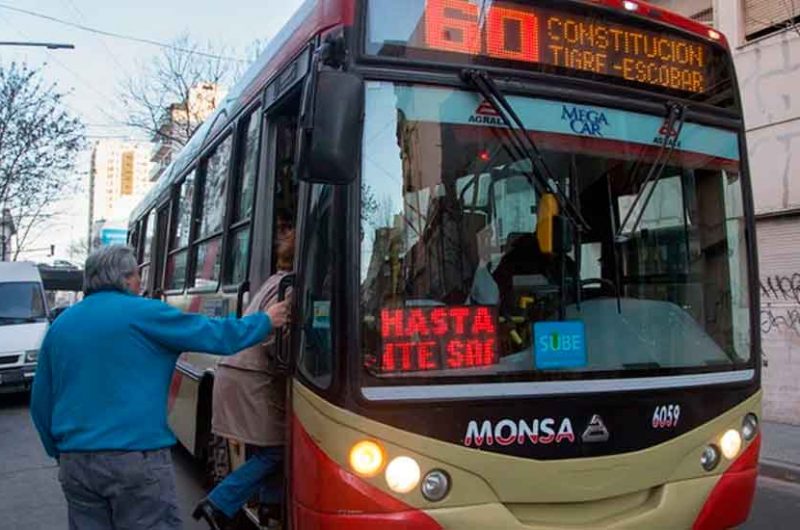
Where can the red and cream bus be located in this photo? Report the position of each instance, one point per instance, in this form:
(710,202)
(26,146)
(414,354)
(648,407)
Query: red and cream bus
(525,292)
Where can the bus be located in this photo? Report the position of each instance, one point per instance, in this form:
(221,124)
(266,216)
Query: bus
(525,287)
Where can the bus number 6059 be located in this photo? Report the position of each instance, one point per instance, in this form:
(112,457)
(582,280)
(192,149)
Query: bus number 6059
(666,416)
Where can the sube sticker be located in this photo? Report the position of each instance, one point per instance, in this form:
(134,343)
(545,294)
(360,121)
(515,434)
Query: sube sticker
(559,344)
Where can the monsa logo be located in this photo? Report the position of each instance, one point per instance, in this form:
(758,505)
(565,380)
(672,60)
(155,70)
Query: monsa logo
(584,121)
(507,432)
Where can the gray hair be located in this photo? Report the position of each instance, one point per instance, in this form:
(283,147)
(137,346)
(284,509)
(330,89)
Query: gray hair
(108,267)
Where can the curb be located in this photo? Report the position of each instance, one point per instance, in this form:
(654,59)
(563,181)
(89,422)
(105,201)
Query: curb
(779,470)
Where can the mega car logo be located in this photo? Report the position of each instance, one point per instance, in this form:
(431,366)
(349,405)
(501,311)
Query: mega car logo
(520,432)
(584,121)
(486,114)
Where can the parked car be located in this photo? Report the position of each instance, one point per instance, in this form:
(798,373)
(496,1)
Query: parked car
(23,323)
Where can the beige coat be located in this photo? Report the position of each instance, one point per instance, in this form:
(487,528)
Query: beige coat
(249,396)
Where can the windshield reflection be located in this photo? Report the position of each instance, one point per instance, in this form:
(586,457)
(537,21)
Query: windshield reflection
(450,220)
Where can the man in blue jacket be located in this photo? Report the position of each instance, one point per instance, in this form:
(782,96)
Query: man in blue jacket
(99,399)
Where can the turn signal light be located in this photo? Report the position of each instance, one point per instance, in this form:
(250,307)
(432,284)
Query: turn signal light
(366,458)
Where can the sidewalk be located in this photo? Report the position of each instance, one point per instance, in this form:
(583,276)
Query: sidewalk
(780,451)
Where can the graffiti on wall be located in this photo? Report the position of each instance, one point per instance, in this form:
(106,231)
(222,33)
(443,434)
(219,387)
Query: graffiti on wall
(780,320)
(781,288)
(780,304)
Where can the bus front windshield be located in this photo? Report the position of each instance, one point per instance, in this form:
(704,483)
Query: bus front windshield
(455,282)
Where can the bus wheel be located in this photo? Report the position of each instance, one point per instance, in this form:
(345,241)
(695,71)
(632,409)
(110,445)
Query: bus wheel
(218,465)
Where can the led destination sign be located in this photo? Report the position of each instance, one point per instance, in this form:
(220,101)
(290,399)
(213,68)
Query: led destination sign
(437,338)
(529,34)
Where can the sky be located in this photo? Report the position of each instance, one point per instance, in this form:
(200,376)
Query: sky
(94,71)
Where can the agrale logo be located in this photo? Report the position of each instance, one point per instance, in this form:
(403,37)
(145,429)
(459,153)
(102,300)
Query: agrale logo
(667,135)
(596,430)
(584,121)
(486,114)
(520,432)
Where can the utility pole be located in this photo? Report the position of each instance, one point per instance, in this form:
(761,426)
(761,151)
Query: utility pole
(7,230)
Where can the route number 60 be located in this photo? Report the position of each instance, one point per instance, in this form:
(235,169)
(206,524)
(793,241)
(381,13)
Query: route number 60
(666,416)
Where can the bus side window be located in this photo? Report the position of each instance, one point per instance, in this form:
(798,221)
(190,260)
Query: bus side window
(149,234)
(175,276)
(207,251)
(133,241)
(244,185)
(315,360)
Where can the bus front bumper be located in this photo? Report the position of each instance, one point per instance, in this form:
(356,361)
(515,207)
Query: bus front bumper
(707,503)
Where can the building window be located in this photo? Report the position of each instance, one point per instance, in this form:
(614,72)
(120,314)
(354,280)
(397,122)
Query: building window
(126,176)
(764,17)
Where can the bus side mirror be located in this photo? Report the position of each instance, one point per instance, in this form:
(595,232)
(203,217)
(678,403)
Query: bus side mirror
(332,134)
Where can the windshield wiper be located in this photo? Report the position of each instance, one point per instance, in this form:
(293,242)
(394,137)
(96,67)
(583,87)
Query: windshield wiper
(676,115)
(523,145)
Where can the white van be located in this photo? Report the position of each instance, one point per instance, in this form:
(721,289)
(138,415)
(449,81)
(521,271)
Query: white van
(23,323)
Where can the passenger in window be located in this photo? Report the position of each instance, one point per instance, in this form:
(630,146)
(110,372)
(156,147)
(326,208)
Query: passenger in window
(101,387)
(249,406)
(484,288)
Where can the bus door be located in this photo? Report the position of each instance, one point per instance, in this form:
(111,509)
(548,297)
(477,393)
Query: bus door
(274,216)
(277,198)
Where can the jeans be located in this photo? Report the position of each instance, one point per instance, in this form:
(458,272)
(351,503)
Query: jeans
(120,490)
(260,473)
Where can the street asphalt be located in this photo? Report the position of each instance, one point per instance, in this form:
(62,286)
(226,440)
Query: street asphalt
(31,499)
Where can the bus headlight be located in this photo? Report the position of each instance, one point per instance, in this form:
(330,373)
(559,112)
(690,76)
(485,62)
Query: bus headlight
(750,426)
(435,485)
(366,458)
(402,474)
(731,443)
(710,457)
(31,356)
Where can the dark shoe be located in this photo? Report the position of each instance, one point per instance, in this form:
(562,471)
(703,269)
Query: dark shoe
(210,514)
(269,515)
